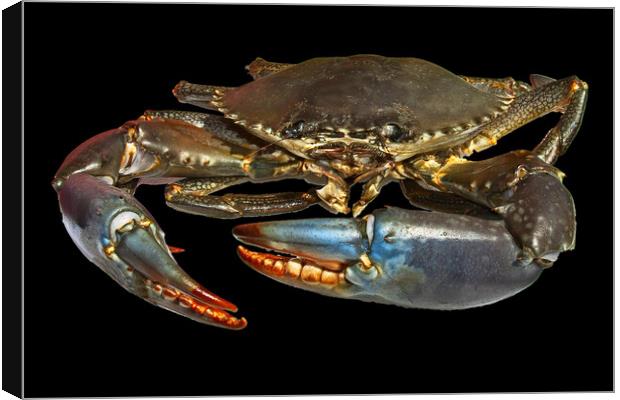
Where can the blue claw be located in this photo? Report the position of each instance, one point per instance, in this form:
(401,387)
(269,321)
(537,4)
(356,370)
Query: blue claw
(327,241)
(116,233)
(409,258)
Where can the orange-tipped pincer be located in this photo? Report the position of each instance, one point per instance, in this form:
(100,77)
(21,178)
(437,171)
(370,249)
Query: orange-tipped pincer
(213,299)
(269,264)
(175,250)
(184,304)
(292,270)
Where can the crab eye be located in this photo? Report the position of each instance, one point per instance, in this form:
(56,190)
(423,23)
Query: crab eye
(394,132)
(294,131)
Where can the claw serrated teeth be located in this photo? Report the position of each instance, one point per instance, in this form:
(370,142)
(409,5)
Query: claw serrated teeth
(278,266)
(311,274)
(187,302)
(170,294)
(293,267)
(329,278)
(157,288)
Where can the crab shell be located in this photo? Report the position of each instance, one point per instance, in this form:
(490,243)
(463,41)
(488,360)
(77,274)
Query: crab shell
(399,106)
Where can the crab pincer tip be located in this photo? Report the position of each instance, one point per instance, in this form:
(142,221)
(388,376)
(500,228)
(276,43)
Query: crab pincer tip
(213,299)
(175,250)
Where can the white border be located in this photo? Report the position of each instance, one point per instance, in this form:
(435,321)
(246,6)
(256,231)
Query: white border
(494,3)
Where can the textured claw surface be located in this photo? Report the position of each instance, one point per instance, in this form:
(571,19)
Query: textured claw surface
(409,258)
(116,233)
(332,242)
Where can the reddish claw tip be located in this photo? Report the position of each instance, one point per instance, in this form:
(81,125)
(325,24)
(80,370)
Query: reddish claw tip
(186,305)
(213,299)
(220,317)
(237,323)
(175,250)
(177,87)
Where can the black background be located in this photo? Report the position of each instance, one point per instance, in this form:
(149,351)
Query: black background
(89,68)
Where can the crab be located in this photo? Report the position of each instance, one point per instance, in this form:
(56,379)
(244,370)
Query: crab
(484,230)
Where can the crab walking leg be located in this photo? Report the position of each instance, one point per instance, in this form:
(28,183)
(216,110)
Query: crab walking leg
(521,188)
(222,128)
(198,95)
(432,200)
(566,96)
(116,233)
(435,200)
(261,163)
(193,196)
(559,138)
(415,259)
(507,88)
(261,67)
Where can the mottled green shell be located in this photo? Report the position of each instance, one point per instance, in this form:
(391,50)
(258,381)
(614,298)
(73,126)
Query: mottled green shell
(360,93)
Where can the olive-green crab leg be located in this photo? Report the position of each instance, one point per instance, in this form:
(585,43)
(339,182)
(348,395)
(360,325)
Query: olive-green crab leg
(261,163)
(506,88)
(261,67)
(523,103)
(193,196)
(198,95)
(334,194)
(567,96)
(434,200)
(205,95)
(223,129)
(559,138)
(427,198)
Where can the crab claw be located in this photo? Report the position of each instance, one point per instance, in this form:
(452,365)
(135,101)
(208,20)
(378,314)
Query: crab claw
(115,232)
(409,258)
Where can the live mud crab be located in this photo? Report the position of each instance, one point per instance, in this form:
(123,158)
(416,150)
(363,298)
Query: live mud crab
(488,230)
